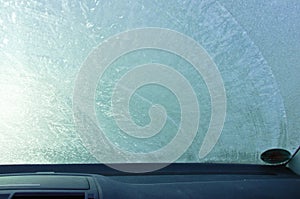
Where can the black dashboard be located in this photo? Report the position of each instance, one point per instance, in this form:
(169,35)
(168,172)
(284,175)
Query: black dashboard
(97,181)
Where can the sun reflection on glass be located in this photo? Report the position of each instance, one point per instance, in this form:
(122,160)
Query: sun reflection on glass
(11,103)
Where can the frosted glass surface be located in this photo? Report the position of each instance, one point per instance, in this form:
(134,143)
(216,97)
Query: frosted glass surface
(44,44)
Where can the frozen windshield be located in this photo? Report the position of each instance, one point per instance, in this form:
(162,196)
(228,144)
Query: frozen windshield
(148,81)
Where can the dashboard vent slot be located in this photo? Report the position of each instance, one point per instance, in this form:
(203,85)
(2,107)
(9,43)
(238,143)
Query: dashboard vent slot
(4,196)
(48,195)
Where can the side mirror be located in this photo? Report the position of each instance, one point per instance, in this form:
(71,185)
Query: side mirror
(276,156)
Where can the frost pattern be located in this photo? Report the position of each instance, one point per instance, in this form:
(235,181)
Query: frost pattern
(44,43)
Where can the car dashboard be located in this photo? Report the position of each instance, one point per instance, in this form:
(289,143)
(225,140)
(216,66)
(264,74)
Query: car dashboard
(175,181)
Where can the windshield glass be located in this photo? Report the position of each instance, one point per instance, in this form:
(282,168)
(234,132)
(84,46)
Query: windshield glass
(148,81)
